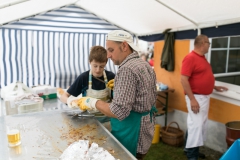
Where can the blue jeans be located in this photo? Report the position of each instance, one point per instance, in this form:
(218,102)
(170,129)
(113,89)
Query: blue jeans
(192,153)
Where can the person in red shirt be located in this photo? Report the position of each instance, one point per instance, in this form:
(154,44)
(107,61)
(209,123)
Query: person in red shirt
(151,60)
(198,83)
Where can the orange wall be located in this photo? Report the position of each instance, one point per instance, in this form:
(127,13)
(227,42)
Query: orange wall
(172,79)
(223,112)
(219,111)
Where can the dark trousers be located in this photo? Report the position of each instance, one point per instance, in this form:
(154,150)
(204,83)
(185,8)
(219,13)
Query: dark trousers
(140,156)
(192,153)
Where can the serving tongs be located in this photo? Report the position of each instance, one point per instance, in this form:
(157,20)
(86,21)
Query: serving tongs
(97,114)
(86,114)
(74,114)
(82,114)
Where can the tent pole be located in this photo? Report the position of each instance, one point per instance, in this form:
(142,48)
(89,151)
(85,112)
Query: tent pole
(199,31)
(177,13)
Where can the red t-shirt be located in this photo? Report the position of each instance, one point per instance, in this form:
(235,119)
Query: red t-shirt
(200,74)
(151,62)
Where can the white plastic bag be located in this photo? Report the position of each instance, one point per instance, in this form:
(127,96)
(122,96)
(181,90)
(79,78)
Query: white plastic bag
(80,151)
(14,90)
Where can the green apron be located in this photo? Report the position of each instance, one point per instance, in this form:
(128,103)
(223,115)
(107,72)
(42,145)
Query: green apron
(127,131)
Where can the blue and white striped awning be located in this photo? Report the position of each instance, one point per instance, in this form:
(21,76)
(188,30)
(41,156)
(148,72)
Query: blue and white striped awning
(51,48)
(68,19)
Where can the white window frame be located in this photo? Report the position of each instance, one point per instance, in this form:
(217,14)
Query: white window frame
(233,94)
(208,56)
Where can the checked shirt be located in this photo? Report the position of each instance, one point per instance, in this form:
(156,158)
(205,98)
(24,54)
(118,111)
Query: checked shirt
(135,89)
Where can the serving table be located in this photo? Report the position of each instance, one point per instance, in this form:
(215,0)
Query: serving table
(46,134)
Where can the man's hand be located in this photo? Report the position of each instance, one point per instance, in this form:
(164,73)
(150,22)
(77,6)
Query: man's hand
(88,103)
(220,88)
(194,106)
(110,84)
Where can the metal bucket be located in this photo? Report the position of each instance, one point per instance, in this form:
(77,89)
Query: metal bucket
(233,132)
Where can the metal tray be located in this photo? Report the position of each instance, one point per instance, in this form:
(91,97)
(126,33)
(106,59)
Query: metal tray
(45,135)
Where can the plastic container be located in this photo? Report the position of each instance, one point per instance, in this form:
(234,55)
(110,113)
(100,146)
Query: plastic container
(233,153)
(156,134)
(10,106)
(22,106)
(163,87)
(29,106)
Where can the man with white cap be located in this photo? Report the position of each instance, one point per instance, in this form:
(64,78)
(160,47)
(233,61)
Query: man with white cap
(134,96)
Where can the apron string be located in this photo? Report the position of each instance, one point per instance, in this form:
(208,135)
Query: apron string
(152,111)
(90,79)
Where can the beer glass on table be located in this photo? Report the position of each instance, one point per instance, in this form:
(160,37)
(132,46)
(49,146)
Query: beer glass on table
(13,135)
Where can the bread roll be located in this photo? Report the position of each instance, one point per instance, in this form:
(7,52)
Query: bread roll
(60,91)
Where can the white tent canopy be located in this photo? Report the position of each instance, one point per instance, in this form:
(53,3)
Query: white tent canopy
(140,17)
(36,34)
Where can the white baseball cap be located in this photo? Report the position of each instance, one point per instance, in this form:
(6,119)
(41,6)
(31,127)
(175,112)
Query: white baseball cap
(120,36)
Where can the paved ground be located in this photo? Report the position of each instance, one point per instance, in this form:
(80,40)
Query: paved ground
(211,154)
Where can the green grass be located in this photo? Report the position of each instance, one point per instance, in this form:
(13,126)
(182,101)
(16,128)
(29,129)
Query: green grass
(161,151)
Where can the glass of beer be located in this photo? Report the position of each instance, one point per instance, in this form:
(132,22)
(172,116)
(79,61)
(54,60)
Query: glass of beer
(13,137)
